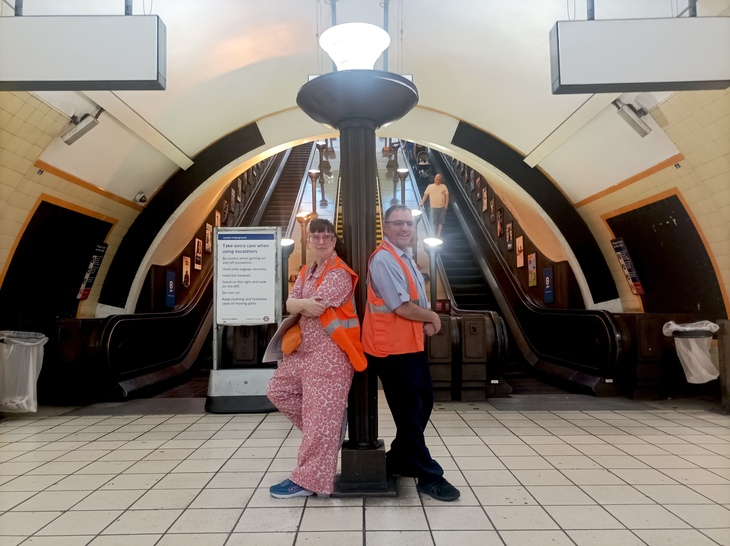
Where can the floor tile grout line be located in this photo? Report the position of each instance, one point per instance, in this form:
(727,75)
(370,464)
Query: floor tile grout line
(574,484)
(444,442)
(248,502)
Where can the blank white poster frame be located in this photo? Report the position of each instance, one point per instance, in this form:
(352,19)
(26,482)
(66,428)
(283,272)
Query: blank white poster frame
(246,292)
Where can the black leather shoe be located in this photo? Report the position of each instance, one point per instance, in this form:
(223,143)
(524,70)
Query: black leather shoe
(440,490)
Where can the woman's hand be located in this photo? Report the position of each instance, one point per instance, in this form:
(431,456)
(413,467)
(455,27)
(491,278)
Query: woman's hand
(312,307)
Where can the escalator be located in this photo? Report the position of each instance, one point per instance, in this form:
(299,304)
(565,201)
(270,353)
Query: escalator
(282,196)
(467,283)
(132,352)
(581,347)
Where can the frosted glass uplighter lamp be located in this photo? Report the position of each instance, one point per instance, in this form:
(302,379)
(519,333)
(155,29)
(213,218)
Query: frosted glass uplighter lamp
(354,46)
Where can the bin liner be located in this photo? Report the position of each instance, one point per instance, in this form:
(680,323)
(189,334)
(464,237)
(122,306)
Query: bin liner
(21,357)
(693,343)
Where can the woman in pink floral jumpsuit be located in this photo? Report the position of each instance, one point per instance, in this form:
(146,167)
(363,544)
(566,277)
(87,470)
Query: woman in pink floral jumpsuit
(311,385)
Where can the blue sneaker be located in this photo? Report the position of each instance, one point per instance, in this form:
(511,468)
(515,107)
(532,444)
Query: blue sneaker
(288,490)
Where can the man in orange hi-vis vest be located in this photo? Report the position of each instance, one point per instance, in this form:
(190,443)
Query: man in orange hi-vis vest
(396,319)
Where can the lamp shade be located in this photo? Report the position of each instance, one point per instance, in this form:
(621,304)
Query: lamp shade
(354,46)
(433,243)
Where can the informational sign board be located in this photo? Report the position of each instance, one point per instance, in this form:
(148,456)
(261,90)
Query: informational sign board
(246,273)
(92,271)
(246,292)
(627,266)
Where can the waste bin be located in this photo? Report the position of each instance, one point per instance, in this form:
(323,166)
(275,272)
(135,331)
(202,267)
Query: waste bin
(693,342)
(21,357)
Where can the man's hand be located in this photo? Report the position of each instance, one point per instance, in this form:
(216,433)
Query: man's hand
(432,326)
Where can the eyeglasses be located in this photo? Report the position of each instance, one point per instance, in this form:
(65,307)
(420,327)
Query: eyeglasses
(321,238)
(401,223)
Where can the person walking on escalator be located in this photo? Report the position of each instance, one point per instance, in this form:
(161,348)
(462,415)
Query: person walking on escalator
(438,197)
(310,386)
(396,319)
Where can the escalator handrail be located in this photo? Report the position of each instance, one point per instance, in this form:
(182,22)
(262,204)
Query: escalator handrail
(300,195)
(270,189)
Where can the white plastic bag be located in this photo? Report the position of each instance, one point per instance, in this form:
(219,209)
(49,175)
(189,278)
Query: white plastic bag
(21,358)
(701,326)
(694,352)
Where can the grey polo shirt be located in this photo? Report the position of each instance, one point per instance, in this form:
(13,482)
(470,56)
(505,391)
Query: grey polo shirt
(388,281)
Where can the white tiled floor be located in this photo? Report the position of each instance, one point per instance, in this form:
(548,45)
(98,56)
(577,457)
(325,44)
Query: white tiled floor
(656,477)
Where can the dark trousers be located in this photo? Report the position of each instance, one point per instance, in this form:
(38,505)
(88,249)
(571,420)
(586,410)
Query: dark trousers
(408,389)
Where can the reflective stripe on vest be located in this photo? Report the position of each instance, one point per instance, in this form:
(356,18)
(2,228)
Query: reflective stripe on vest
(337,323)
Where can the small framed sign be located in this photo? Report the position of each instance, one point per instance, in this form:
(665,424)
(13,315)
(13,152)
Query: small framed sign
(198,254)
(520,242)
(548,285)
(532,269)
(186,272)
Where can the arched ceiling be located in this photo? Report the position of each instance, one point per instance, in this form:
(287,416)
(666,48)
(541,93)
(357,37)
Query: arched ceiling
(234,62)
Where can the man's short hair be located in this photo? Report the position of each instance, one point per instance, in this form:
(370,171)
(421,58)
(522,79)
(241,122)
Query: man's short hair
(395,208)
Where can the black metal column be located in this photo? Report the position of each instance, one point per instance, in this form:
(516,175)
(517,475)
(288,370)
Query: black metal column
(363,456)
(351,101)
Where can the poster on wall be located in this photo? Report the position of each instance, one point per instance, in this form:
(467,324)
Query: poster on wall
(225,211)
(246,278)
(217,218)
(520,251)
(186,272)
(627,266)
(92,271)
(170,288)
(548,294)
(491,208)
(485,204)
(508,235)
(208,238)
(239,194)
(198,254)
(479,187)
(532,269)
(500,223)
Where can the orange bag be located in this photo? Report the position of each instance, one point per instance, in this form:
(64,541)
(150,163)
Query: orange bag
(291,340)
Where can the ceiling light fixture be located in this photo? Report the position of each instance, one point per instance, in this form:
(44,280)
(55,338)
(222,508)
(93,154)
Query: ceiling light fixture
(354,46)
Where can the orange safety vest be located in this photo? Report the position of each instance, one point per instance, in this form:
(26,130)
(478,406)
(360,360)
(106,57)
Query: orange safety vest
(383,331)
(341,323)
